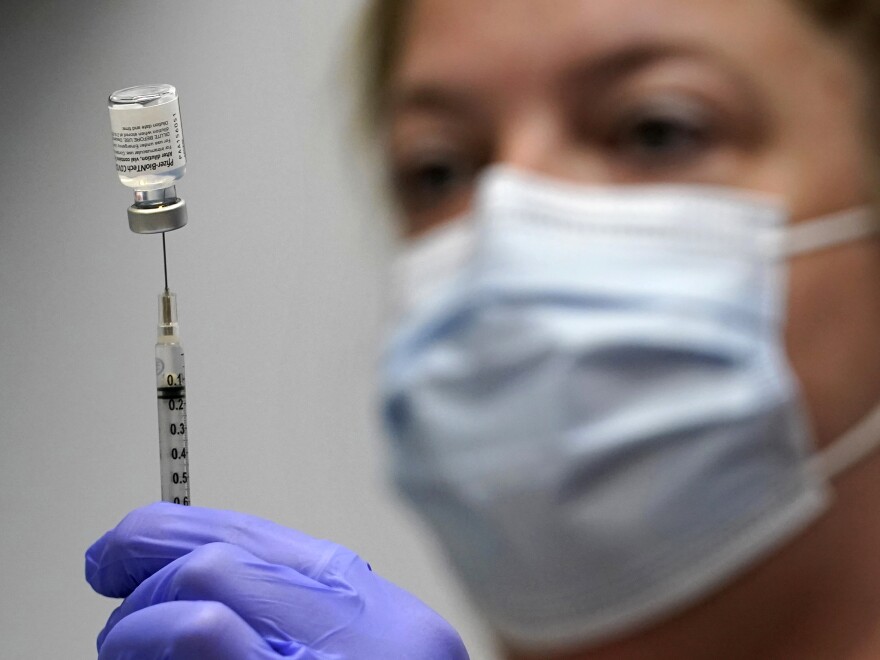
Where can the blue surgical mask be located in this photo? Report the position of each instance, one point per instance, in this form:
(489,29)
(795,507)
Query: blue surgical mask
(589,398)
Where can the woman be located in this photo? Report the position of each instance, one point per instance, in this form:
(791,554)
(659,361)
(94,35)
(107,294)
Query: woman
(636,354)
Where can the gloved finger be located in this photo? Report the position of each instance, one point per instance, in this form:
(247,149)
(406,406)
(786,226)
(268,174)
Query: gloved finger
(183,631)
(152,537)
(284,607)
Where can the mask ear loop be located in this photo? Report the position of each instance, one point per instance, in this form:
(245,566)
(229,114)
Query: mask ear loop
(851,448)
(859,442)
(831,231)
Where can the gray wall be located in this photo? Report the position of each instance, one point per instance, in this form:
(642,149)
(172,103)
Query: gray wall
(279,276)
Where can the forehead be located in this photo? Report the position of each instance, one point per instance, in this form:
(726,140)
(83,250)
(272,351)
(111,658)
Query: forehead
(508,41)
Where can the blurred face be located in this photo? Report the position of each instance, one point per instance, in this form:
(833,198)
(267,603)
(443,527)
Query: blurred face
(740,93)
(744,94)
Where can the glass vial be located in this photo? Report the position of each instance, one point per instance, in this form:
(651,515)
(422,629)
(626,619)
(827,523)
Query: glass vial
(147,138)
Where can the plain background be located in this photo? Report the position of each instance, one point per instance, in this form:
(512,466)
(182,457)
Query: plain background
(279,276)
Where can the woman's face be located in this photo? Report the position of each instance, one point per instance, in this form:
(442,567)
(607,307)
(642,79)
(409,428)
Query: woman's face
(746,94)
(742,93)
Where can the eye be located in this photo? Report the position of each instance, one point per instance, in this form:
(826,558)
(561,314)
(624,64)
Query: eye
(663,135)
(432,182)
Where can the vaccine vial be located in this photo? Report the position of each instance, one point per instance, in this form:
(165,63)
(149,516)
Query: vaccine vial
(147,136)
(150,154)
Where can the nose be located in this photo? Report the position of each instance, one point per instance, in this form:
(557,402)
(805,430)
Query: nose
(538,139)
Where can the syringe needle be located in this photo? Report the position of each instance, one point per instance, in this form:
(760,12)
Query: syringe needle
(164,261)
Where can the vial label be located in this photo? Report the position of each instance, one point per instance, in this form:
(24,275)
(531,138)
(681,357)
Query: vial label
(148,144)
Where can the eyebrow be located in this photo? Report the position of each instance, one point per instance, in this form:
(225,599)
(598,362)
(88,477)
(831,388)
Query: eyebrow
(431,97)
(628,60)
(617,64)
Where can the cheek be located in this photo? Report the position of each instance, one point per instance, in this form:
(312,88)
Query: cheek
(821,165)
(831,336)
(828,170)
(823,143)
(818,159)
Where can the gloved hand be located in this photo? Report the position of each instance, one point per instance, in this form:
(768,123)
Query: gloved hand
(205,584)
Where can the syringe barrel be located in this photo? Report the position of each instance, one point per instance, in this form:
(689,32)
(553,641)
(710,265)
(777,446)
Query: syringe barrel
(173,444)
(171,397)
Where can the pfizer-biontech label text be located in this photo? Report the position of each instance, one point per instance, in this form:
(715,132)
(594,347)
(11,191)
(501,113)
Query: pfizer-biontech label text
(148,142)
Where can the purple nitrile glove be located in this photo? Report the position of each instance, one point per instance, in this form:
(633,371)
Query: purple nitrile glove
(218,585)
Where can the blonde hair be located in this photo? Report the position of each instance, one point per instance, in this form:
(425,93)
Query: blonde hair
(378,48)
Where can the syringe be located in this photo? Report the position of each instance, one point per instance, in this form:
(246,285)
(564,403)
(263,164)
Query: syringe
(151,159)
(171,395)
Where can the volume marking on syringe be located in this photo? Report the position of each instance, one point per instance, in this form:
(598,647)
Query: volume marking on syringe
(171,392)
